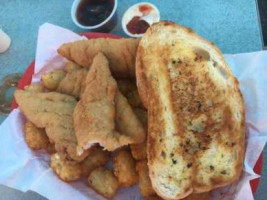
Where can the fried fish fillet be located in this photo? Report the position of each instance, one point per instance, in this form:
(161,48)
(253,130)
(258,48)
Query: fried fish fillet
(103,114)
(120,53)
(52,111)
(74,82)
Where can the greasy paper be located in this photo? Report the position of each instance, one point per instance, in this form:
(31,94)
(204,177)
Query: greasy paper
(24,169)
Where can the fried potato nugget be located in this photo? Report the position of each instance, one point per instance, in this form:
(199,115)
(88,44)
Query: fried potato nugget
(36,138)
(145,185)
(66,170)
(96,158)
(34,88)
(124,168)
(52,79)
(104,182)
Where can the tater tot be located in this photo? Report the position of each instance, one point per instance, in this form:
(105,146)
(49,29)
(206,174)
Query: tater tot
(66,170)
(52,79)
(71,66)
(96,158)
(104,182)
(124,168)
(34,88)
(36,138)
(144,180)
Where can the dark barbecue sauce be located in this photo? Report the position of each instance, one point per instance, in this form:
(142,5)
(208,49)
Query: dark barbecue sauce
(137,25)
(93,12)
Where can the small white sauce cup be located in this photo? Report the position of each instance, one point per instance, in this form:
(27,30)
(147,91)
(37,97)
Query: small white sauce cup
(133,11)
(5,41)
(105,26)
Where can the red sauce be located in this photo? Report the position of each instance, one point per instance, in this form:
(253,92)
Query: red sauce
(145,9)
(137,25)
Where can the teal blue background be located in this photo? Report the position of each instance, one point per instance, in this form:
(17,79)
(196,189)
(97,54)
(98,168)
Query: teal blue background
(232,24)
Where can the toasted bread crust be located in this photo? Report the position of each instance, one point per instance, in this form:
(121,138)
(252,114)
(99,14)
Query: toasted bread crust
(196,116)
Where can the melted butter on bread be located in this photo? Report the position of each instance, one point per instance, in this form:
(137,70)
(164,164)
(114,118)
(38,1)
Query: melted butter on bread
(196,129)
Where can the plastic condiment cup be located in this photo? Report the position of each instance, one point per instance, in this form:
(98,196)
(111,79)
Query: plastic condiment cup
(133,11)
(107,25)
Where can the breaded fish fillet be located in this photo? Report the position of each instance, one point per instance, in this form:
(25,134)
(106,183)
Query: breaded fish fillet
(103,114)
(73,83)
(120,53)
(52,111)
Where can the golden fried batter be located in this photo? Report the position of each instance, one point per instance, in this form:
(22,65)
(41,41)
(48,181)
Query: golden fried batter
(126,86)
(73,83)
(52,79)
(52,111)
(71,66)
(139,150)
(129,89)
(120,52)
(101,102)
(95,113)
(50,148)
(104,182)
(36,138)
(127,122)
(145,185)
(66,170)
(134,99)
(141,115)
(34,88)
(97,157)
(124,168)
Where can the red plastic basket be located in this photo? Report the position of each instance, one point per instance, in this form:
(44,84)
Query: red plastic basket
(27,77)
